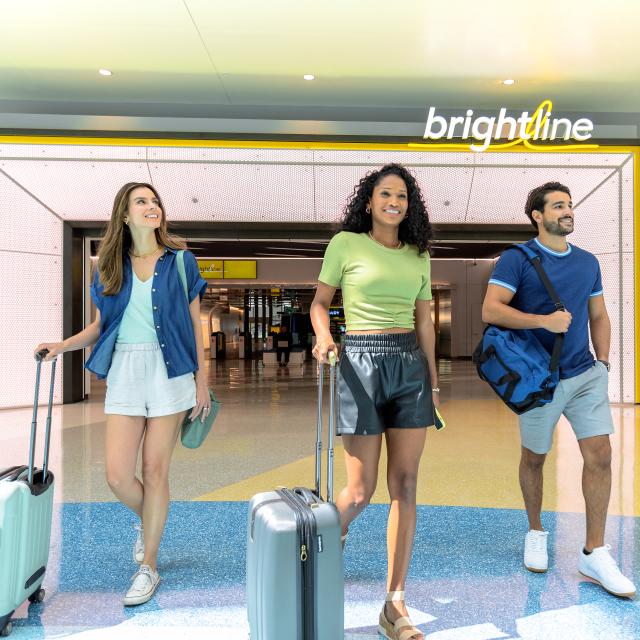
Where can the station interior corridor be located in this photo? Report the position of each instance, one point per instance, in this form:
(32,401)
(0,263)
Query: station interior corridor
(466,578)
(256,124)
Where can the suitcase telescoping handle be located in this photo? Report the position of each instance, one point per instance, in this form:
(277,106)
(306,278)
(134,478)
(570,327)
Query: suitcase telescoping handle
(34,422)
(332,383)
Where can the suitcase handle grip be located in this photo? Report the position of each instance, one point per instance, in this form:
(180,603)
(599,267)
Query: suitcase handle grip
(332,376)
(41,355)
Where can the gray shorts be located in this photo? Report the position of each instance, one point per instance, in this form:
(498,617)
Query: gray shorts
(584,401)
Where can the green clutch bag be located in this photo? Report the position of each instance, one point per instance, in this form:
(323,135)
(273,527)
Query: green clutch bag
(192,434)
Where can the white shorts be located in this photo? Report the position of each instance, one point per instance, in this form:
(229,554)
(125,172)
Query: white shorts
(138,385)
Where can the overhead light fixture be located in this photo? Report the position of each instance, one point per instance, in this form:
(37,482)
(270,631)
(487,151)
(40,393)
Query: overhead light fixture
(105,72)
(509,81)
(309,76)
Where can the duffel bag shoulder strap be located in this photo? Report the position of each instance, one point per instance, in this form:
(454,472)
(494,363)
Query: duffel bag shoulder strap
(534,258)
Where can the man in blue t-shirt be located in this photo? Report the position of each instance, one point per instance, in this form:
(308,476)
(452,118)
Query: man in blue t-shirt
(517,299)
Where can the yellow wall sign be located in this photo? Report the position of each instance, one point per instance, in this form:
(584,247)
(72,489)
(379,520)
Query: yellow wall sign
(240,269)
(228,269)
(526,129)
(211,269)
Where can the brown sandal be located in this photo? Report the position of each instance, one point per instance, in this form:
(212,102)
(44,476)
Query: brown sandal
(402,628)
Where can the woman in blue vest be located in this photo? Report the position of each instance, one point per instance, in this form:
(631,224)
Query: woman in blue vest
(148,346)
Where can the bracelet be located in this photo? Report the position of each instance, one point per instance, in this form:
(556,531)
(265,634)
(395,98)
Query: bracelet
(436,389)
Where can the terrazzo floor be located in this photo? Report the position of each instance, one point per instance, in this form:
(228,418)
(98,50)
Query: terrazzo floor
(466,579)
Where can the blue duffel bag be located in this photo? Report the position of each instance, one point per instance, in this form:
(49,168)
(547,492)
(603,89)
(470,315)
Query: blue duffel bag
(515,363)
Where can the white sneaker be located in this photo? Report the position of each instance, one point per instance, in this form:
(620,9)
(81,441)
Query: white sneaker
(138,545)
(145,582)
(536,558)
(601,567)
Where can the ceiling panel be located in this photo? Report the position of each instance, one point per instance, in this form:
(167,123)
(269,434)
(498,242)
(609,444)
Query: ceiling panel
(273,249)
(54,50)
(445,196)
(20,216)
(71,152)
(234,193)
(445,191)
(499,194)
(539,158)
(293,185)
(75,190)
(230,155)
(418,38)
(377,158)
(597,219)
(182,53)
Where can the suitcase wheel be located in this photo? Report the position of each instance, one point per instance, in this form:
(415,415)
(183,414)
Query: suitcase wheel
(37,596)
(6,630)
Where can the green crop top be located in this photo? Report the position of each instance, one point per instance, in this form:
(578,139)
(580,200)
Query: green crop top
(380,286)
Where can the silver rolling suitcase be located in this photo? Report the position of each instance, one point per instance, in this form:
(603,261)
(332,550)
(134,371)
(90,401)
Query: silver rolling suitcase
(295,578)
(26,506)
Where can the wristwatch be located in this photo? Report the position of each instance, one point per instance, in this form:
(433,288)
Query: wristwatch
(606,364)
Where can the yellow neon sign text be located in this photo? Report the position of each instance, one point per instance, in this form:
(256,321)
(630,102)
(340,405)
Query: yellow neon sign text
(539,126)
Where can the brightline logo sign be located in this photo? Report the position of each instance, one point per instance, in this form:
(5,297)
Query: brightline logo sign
(526,129)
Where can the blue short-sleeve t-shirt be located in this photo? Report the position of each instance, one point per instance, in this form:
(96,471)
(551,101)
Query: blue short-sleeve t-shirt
(575,275)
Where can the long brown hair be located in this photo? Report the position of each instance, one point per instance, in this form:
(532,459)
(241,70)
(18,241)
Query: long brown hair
(117,240)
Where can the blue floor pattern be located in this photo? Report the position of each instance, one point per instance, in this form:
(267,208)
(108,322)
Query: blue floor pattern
(466,578)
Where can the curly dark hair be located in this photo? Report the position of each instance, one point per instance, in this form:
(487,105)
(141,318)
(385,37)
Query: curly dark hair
(536,198)
(414,229)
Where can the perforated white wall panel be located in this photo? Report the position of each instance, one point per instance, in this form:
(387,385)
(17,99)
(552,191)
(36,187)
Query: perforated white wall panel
(230,156)
(30,293)
(76,190)
(499,194)
(230,192)
(296,185)
(290,184)
(71,152)
(600,229)
(334,185)
(26,225)
(535,159)
(628,282)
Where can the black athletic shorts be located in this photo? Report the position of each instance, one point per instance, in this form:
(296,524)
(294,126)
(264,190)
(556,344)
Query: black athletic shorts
(383,382)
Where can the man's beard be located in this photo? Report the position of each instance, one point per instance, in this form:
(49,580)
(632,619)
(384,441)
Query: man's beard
(555,228)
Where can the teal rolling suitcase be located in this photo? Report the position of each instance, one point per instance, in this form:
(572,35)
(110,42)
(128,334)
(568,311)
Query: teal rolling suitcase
(26,506)
(295,579)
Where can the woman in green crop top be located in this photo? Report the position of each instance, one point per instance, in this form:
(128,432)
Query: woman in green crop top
(387,377)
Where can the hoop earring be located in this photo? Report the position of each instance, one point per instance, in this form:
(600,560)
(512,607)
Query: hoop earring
(368,209)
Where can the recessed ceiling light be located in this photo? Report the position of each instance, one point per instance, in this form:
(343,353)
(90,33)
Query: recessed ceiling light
(105,72)
(508,81)
(309,76)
